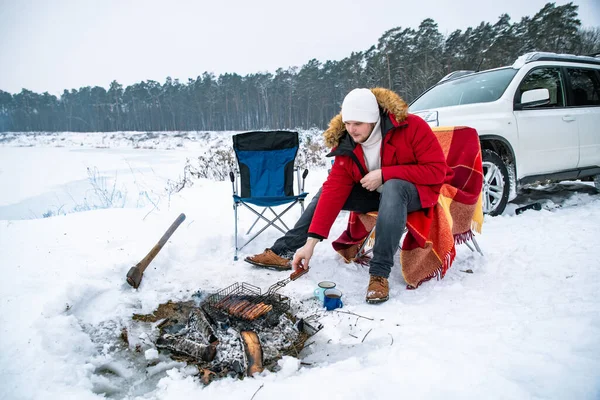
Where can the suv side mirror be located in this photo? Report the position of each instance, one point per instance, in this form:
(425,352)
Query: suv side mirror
(534,98)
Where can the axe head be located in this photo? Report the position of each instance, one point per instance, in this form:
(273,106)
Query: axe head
(134,277)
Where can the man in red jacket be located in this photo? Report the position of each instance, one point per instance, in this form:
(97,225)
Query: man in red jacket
(386,160)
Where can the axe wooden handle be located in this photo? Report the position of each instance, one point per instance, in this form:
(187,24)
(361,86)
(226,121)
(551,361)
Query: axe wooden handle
(134,276)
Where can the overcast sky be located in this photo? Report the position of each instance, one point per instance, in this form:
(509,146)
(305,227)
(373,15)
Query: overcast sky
(63,44)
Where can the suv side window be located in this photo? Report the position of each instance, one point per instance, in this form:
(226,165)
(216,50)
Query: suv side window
(585,87)
(544,78)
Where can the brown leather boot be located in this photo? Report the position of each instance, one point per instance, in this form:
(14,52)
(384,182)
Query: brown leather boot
(378,290)
(268,259)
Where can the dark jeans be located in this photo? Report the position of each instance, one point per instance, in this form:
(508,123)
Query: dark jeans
(397,199)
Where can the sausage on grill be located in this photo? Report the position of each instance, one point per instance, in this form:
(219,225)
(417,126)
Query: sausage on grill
(232,310)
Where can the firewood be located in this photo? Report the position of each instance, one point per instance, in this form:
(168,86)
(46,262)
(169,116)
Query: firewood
(199,323)
(254,353)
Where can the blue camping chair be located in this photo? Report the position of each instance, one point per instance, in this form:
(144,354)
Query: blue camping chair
(266,178)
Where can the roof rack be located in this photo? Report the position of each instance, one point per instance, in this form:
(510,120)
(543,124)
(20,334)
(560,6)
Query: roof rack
(456,74)
(544,56)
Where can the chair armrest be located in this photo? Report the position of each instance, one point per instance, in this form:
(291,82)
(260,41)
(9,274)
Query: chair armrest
(304,174)
(233,183)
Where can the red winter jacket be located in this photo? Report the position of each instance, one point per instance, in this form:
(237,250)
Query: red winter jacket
(410,151)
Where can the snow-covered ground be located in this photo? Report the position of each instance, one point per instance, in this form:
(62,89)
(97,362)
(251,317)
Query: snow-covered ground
(524,325)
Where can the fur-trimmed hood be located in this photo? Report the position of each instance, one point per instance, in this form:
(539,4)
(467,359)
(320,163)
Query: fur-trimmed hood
(388,101)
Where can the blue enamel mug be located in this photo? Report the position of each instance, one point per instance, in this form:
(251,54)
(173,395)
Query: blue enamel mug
(332,299)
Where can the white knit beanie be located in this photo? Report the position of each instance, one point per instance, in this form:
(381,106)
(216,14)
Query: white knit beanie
(360,105)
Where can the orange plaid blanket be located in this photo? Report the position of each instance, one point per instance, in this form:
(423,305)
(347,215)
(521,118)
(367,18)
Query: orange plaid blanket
(428,249)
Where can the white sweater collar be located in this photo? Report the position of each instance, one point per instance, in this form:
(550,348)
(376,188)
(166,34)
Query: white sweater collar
(374,138)
(372,148)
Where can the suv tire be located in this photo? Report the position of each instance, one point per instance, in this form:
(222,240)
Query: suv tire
(496,183)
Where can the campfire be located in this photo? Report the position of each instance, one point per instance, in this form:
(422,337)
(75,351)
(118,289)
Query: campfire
(235,332)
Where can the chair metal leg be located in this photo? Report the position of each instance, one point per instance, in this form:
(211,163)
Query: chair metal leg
(469,246)
(262,214)
(280,220)
(361,251)
(477,245)
(256,220)
(269,223)
(235,234)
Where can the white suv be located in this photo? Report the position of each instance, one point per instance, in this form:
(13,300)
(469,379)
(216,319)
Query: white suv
(538,120)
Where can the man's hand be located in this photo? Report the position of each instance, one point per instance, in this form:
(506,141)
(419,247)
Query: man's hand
(372,180)
(304,254)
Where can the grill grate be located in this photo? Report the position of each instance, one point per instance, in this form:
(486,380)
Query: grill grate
(250,296)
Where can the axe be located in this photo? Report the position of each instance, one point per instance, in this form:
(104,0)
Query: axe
(134,276)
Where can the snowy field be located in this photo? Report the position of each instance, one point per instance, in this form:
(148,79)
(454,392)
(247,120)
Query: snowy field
(525,324)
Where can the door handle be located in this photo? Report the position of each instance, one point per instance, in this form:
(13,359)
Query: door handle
(568,118)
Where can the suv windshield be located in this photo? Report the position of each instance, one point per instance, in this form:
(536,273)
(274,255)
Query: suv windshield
(482,87)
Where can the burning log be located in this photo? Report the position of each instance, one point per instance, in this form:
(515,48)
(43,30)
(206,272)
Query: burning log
(254,353)
(183,345)
(200,340)
(199,323)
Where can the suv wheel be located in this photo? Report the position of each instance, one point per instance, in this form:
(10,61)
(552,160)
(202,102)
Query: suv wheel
(597,182)
(496,183)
